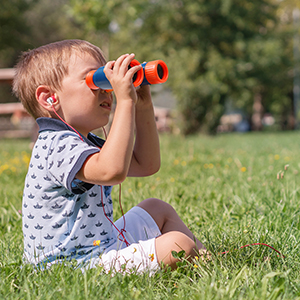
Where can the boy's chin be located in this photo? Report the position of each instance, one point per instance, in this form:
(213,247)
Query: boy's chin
(103,124)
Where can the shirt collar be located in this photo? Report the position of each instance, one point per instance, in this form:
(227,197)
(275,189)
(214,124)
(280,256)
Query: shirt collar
(57,125)
(51,124)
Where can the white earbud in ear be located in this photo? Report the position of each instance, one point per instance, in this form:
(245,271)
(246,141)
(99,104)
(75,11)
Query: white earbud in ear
(50,100)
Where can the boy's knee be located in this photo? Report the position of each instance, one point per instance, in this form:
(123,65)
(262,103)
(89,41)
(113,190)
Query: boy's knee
(157,204)
(174,241)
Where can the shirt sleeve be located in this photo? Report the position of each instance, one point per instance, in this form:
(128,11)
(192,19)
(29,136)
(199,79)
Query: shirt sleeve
(66,156)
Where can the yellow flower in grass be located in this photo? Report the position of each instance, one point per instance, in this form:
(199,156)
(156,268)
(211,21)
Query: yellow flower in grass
(96,242)
(25,158)
(276,156)
(151,256)
(4,168)
(243,169)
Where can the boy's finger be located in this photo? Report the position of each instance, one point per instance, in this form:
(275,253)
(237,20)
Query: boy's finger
(133,70)
(109,65)
(126,62)
(120,61)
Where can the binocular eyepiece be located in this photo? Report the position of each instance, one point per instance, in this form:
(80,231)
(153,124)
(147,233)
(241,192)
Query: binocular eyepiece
(152,72)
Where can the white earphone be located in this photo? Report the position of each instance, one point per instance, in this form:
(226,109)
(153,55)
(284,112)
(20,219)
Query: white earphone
(50,100)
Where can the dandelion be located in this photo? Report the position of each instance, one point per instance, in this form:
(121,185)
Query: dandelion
(183,163)
(151,256)
(176,162)
(25,158)
(96,242)
(276,156)
(4,168)
(172,179)
(243,169)
(129,190)
(210,166)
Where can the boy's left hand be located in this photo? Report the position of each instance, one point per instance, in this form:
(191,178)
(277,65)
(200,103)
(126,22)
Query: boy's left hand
(144,97)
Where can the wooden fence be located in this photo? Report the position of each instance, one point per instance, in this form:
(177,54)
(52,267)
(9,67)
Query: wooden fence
(15,122)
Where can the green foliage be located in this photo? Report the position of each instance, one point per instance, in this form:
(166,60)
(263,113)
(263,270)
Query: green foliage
(216,51)
(13,22)
(226,190)
(26,24)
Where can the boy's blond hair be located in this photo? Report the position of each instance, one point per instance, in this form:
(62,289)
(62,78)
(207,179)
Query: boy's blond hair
(47,65)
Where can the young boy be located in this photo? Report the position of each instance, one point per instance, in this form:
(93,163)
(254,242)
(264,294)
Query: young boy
(67,206)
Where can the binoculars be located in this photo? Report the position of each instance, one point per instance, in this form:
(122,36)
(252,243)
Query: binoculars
(152,72)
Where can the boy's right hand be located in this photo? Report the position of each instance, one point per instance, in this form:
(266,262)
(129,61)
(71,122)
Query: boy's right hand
(121,77)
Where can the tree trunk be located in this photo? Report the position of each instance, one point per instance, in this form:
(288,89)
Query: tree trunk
(257,114)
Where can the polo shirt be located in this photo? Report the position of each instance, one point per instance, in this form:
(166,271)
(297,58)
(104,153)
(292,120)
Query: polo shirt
(63,216)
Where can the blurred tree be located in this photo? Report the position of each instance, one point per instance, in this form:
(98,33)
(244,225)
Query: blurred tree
(216,50)
(26,24)
(14,28)
(13,32)
(52,21)
(279,100)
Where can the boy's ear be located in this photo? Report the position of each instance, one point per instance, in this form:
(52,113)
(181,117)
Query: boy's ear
(42,94)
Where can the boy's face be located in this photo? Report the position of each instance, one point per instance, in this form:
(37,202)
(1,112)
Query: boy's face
(81,107)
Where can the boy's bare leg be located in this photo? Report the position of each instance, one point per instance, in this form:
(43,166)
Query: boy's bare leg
(175,234)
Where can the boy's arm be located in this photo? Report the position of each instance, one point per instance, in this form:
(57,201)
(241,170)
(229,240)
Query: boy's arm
(110,166)
(146,153)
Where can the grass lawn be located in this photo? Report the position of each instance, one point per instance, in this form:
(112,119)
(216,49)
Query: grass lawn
(231,190)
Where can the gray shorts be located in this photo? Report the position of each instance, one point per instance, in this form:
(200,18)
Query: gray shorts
(140,255)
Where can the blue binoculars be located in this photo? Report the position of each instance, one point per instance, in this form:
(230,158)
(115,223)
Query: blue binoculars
(152,72)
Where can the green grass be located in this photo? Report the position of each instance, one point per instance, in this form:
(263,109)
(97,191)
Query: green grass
(226,190)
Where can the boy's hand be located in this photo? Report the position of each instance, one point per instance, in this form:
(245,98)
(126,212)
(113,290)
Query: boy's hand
(120,77)
(144,99)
